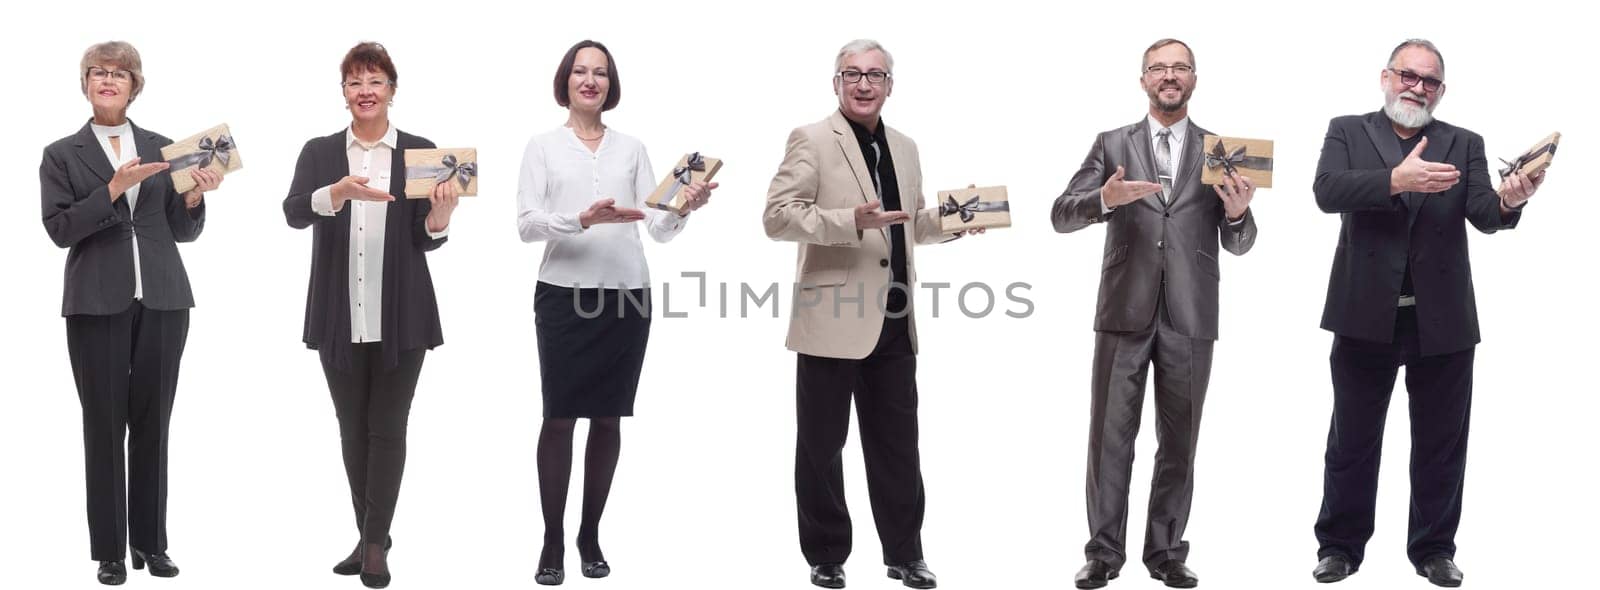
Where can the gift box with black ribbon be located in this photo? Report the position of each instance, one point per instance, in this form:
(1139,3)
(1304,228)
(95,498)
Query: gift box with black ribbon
(212,149)
(668,196)
(426,169)
(1534,160)
(1248,157)
(971,208)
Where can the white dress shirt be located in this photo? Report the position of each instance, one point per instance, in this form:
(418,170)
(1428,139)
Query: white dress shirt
(560,179)
(367,221)
(124,135)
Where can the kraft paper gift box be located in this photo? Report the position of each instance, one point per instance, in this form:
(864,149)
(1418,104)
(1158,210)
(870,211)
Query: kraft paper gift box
(971,208)
(1248,157)
(668,196)
(426,169)
(212,149)
(1534,160)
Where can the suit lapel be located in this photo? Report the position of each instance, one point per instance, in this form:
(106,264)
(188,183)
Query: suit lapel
(1142,160)
(1189,169)
(846,138)
(907,185)
(92,155)
(145,146)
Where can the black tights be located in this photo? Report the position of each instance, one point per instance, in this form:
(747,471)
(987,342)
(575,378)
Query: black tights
(555,474)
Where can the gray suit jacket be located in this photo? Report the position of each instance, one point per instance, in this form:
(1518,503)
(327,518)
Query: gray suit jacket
(1146,240)
(79,215)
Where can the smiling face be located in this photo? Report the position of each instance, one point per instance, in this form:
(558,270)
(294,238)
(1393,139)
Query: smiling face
(590,82)
(862,101)
(108,88)
(1411,106)
(1168,77)
(367,95)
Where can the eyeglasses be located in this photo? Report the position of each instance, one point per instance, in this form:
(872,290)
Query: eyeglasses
(374,85)
(99,74)
(1176,69)
(1411,79)
(874,78)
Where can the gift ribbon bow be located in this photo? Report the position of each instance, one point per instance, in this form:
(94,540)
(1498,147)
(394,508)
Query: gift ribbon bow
(220,149)
(448,167)
(1232,161)
(967,210)
(1522,160)
(682,176)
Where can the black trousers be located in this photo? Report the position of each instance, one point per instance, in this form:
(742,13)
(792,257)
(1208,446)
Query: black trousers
(1440,389)
(884,387)
(126,369)
(373,403)
(1183,371)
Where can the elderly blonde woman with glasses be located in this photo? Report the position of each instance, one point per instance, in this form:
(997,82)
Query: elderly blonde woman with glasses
(126,300)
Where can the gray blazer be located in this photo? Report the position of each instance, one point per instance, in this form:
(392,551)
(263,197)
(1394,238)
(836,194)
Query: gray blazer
(79,215)
(1146,240)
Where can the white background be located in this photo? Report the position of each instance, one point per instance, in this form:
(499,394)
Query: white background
(994,93)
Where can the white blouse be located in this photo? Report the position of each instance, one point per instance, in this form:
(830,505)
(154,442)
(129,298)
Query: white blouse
(560,179)
(130,150)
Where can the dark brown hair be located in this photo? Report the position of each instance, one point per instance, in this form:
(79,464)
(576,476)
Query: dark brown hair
(368,55)
(564,73)
(1145,61)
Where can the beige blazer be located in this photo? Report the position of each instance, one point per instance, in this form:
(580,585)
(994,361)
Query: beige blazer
(842,274)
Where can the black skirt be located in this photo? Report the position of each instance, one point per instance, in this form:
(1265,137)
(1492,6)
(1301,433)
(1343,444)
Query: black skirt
(591,348)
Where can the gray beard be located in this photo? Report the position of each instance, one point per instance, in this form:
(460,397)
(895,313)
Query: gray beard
(1407,116)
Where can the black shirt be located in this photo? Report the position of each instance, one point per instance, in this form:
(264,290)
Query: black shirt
(1406,145)
(881,165)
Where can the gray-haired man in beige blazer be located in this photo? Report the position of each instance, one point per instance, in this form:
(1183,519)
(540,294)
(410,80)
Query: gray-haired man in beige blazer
(842,193)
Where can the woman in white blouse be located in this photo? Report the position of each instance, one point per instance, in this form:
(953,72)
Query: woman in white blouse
(582,192)
(108,198)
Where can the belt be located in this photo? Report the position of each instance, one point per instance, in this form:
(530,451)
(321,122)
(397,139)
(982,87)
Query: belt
(1407,301)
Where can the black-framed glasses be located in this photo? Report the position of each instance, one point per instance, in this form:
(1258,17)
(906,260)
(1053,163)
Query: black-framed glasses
(1411,79)
(874,78)
(99,74)
(1162,69)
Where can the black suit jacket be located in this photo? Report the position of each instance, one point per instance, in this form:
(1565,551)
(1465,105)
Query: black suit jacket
(1379,233)
(410,311)
(1147,240)
(79,216)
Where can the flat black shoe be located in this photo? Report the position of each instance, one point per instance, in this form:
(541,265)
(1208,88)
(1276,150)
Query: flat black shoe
(914,574)
(352,564)
(1440,571)
(372,580)
(112,573)
(161,566)
(596,569)
(1332,569)
(828,575)
(550,577)
(1095,574)
(1175,574)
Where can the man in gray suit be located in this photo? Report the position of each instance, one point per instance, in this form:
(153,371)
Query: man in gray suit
(1157,304)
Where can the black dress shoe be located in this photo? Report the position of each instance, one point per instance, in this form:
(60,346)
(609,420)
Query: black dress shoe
(1095,574)
(352,564)
(161,566)
(827,575)
(1441,571)
(914,574)
(112,573)
(550,577)
(1332,569)
(1175,574)
(596,569)
(372,580)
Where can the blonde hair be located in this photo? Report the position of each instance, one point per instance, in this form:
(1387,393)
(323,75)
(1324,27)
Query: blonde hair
(117,53)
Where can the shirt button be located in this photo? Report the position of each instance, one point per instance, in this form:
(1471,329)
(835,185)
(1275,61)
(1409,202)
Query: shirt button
(883,262)
(1161,244)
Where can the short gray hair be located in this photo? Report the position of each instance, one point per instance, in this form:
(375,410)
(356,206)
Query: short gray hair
(1423,43)
(117,53)
(860,46)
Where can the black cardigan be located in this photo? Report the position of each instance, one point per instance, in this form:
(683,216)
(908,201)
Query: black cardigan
(410,311)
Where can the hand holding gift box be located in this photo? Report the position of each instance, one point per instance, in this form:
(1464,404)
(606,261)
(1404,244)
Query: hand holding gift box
(1250,158)
(426,169)
(973,208)
(212,149)
(1534,160)
(691,168)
